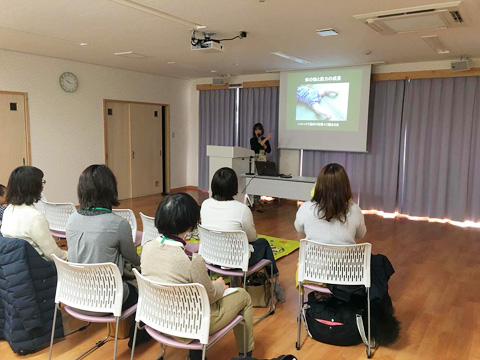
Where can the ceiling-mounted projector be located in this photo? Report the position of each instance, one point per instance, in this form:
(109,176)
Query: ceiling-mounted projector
(208,46)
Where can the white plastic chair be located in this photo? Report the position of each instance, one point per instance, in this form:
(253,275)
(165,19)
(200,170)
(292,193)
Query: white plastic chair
(333,264)
(225,252)
(57,216)
(180,310)
(150,232)
(129,215)
(39,204)
(90,287)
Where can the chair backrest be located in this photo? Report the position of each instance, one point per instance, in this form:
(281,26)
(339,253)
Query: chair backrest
(39,204)
(224,248)
(128,215)
(150,232)
(334,264)
(57,214)
(174,309)
(91,287)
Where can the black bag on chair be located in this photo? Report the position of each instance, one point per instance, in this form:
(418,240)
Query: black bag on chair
(332,321)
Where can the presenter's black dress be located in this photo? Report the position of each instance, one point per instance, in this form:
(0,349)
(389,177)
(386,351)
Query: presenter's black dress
(256,147)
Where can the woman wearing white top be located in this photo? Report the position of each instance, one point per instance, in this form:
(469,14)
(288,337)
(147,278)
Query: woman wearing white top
(222,212)
(21,219)
(331,217)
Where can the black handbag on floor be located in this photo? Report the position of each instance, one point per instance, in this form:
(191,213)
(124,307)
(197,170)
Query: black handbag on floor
(332,321)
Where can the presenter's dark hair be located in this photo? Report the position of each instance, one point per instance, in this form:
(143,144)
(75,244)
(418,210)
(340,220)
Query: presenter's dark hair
(224,184)
(332,193)
(258,126)
(2,189)
(176,214)
(97,187)
(24,186)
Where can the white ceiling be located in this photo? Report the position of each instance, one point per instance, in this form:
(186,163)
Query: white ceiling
(56,27)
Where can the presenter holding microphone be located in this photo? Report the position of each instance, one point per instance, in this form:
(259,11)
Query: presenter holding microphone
(260,144)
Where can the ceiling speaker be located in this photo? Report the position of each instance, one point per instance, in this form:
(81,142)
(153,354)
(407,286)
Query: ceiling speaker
(461,65)
(218,81)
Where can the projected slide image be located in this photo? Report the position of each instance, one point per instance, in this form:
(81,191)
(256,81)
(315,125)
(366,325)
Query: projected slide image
(324,102)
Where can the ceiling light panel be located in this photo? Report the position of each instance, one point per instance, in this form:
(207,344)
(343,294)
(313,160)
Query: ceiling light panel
(327,32)
(160,13)
(129,54)
(290,57)
(434,42)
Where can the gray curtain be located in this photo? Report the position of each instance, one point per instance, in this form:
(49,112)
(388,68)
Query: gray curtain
(441,173)
(373,175)
(216,126)
(259,105)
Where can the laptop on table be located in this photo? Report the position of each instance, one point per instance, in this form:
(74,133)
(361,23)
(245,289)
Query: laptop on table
(266,168)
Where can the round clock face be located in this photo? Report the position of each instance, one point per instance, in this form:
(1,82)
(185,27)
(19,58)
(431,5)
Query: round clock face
(68,82)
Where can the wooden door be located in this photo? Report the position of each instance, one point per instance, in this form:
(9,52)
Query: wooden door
(14,143)
(117,139)
(146,141)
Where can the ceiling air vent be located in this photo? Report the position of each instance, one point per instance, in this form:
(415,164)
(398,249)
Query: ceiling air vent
(419,18)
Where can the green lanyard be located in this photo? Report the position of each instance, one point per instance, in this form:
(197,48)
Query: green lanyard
(98,209)
(163,239)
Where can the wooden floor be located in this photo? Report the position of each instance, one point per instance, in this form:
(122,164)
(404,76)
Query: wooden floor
(435,291)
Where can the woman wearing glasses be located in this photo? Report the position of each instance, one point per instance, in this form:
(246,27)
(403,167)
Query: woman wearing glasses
(21,219)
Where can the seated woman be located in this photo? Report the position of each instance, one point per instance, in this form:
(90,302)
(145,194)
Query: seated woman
(3,203)
(176,215)
(21,219)
(222,212)
(331,217)
(94,233)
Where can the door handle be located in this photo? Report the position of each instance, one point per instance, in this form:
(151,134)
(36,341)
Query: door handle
(133,154)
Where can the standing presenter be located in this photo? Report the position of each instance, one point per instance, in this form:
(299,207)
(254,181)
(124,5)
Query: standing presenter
(260,144)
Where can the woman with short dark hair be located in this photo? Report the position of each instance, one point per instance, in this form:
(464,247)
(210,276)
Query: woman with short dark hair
(94,233)
(331,217)
(176,215)
(21,219)
(223,212)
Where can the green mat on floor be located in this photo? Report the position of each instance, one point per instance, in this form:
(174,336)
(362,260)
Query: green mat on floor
(280,247)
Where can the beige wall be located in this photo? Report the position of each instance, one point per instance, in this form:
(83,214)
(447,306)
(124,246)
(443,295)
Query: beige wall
(67,131)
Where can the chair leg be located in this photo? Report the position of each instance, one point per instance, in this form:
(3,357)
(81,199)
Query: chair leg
(204,351)
(163,353)
(116,337)
(96,346)
(245,338)
(369,349)
(53,331)
(134,339)
(299,315)
(271,308)
(81,328)
(272,290)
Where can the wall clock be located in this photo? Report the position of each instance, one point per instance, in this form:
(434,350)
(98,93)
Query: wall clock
(69,82)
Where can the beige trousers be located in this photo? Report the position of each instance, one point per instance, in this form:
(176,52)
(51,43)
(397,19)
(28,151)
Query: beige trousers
(224,310)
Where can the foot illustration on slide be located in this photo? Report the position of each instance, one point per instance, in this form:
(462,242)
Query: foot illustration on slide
(322,111)
(313,98)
